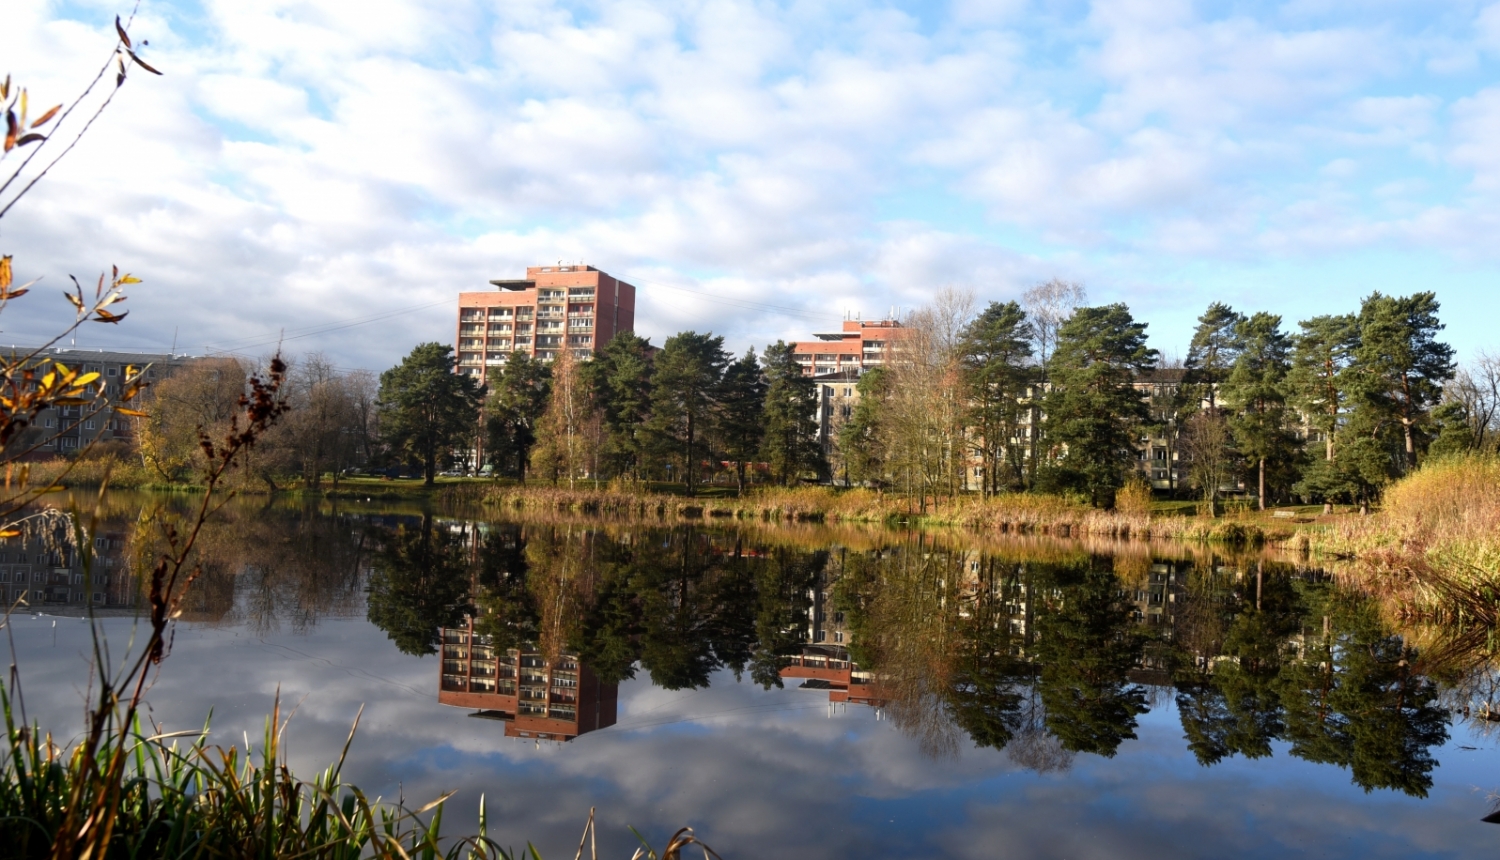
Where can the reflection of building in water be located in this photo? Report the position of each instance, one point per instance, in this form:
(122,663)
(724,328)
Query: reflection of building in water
(825,667)
(519,687)
(50,575)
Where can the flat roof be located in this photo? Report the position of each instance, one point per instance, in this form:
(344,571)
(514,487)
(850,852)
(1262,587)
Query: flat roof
(514,283)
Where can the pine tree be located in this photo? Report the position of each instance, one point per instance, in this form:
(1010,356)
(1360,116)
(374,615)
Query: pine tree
(790,444)
(1319,379)
(859,440)
(1254,392)
(1093,408)
(741,403)
(426,409)
(512,413)
(996,349)
(685,399)
(1401,364)
(621,378)
(1213,351)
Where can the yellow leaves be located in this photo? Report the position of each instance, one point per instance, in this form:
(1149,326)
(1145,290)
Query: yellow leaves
(5,272)
(133,413)
(74,300)
(87,378)
(9,533)
(104,316)
(129,279)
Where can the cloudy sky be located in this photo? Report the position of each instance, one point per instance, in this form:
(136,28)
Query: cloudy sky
(338,171)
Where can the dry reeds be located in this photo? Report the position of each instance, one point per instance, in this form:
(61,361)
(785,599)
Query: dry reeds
(1434,549)
(1006,513)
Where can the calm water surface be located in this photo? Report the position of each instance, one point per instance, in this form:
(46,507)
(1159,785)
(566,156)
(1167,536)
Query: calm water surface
(807,692)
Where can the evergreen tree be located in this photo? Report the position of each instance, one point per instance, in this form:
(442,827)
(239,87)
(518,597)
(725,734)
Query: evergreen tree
(1454,432)
(1087,647)
(426,409)
(859,438)
(621,378)
(1319,379)
(790,444)
(1402,365)
(1212,352)
(515,407)
(741,402)
(1093,408)
(684,402)
(997,352)
(420,583)
(1255,393)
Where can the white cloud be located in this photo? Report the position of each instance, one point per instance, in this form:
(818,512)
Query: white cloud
(311,161)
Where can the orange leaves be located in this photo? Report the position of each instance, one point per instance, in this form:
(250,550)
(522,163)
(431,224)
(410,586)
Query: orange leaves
(16,123)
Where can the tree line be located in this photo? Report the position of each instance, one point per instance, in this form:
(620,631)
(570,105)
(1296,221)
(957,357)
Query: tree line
(686,412)
(1045,394)
(1052,394)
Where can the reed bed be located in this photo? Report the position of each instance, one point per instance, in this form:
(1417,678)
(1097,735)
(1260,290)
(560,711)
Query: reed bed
(1009,513)
(1433,551)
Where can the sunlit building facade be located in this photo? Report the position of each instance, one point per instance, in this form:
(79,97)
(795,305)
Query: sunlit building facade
(554,308)
(534,697)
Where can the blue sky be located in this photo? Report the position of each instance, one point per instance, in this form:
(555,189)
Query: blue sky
(316,162)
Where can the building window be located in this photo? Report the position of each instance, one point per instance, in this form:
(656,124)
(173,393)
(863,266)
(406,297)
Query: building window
(113,371)
(838,636)
(89,424)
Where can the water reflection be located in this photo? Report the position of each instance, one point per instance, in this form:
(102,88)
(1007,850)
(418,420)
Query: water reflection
(1046,651)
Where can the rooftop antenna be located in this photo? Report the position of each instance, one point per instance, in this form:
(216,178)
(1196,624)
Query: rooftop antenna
(174,340)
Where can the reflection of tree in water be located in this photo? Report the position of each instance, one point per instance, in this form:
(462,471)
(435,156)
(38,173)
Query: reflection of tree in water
(1228,690)
(1031,653)
(264,566)
(420,583)
(1087,646)
(1355,700)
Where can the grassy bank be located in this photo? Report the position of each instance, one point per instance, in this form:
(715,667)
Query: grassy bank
(178,796)
(1017,513)
(1433,551)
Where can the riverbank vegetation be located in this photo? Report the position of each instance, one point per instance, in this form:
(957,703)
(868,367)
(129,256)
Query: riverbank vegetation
(1434,549)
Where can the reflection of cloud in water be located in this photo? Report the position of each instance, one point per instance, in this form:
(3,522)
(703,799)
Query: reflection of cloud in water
(763,773)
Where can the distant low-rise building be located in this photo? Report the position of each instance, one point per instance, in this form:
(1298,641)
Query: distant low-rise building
(66,430)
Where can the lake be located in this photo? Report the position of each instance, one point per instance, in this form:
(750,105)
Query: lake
(798,691)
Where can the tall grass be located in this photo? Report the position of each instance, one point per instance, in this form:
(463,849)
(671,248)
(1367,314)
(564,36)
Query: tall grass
(1434,548)
(181,797)
(190,799)
(1010,513)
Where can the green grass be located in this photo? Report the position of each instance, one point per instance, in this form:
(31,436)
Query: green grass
(182,797)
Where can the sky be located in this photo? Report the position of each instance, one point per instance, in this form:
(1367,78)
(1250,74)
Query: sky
(334,173)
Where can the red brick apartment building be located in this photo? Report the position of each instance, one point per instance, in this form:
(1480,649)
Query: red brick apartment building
(553,308)
(823,667)
(859,346)
(519,687)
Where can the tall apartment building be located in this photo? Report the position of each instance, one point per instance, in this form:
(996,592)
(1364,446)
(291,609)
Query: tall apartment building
(535,698)
(553,308)
(857,347)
